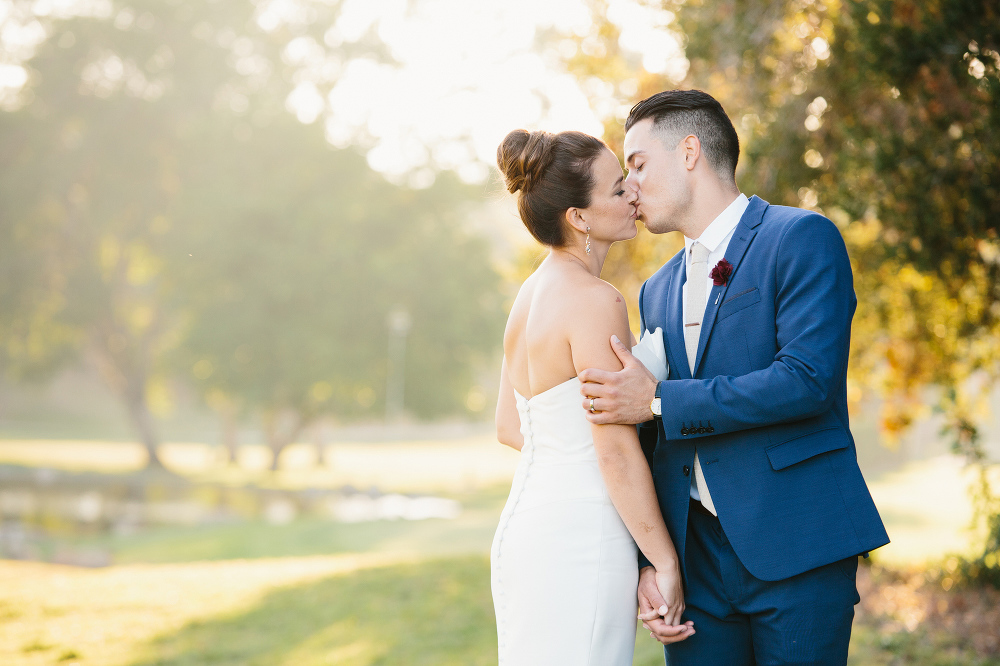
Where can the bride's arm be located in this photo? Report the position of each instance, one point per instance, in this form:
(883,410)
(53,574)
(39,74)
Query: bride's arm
(623,465)
(508,420)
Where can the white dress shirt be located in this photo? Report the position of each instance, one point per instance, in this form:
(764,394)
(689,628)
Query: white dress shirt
(716,238)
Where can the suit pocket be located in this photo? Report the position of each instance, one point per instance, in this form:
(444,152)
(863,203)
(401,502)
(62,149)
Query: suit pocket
(744,299)
(803,447)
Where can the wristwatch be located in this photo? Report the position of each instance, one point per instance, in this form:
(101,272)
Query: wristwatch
(654,405)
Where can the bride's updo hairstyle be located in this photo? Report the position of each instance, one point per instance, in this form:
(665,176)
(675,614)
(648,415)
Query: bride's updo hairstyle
(553,173)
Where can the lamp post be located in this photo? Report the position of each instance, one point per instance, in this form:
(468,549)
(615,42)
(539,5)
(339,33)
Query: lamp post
(399,325)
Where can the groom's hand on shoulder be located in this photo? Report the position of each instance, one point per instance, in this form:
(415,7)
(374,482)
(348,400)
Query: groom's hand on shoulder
(618,397)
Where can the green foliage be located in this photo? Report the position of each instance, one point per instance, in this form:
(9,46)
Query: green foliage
(290,256)
(163,216)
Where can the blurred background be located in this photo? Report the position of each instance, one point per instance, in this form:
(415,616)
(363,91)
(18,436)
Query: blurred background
(255,263)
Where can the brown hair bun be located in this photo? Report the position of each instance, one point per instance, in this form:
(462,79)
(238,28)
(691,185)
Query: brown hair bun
(551,173)
(522,157)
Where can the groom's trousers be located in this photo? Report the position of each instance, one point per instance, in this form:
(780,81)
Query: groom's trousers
(741,620)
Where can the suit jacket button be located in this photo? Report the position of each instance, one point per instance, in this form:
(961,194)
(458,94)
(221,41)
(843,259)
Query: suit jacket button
(684,431)
(687,470)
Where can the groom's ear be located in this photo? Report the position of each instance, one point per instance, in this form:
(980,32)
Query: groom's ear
(690,146)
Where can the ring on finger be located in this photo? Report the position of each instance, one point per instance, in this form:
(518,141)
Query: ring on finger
(592,410)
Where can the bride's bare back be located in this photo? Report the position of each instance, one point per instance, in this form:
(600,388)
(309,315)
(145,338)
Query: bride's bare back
(536,343)
(561,316)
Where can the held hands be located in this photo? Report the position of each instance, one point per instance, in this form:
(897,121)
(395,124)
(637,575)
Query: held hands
(661,603)
(618,397)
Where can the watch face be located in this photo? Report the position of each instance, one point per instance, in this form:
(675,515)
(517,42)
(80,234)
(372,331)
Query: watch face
(655,406)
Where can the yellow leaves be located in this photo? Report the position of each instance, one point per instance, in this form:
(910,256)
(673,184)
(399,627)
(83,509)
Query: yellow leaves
(989,251)
(159,397)
(320,392)
(861,234)
(108,254)
(475,401)
(911,331)
(140,317)
(203,369)
(855,394)
(896,417)
(910,277)
(134,261)
(218,400)
(41,333)
(813,158)
(143,265)
(365,396)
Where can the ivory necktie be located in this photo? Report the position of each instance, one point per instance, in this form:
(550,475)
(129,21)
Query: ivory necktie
(694,313)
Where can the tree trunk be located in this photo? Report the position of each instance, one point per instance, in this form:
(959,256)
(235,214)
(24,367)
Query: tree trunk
(319,440)
(142,420)
(124,360)
(230,437)
(281,429)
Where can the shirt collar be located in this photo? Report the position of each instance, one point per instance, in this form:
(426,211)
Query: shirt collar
(721,226)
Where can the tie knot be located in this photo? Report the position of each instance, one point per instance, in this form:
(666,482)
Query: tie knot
(699,253)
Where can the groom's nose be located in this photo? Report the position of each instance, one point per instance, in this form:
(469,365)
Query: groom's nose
(633,190)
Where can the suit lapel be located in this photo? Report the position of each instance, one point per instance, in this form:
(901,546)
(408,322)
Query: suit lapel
(738,244)
(673,329)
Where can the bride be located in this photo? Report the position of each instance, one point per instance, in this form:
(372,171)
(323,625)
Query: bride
(564,562)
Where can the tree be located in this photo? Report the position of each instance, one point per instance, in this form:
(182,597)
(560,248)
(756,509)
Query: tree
(161,206)
(291,257)
(91,164)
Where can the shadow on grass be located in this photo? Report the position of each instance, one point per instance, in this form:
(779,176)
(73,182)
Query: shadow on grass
(434,613)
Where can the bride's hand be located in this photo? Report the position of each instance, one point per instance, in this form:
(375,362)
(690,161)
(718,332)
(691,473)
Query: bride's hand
(651,604)
(668,582)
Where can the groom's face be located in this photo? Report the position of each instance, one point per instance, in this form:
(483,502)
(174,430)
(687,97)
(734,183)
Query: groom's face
(658,176)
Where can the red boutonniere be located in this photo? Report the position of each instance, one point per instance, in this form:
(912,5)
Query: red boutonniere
(720,274)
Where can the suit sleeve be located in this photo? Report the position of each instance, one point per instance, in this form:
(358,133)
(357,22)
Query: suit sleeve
(814,304)
(648,432)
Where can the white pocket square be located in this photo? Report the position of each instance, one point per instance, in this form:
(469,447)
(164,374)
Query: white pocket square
(652,354)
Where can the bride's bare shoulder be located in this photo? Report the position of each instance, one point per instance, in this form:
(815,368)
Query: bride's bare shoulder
(569,298)
(595,298)
(599,313)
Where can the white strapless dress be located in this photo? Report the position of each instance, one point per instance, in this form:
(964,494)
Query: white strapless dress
(563,565)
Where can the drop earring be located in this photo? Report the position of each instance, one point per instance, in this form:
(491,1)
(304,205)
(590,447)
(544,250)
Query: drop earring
(588,241)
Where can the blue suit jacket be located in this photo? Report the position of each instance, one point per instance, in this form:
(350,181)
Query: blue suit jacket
(770,383)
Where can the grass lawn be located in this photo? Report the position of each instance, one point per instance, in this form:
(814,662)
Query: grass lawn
(345,610)
(396,592)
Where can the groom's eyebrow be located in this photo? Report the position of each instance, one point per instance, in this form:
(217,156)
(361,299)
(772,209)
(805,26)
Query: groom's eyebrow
(631,156)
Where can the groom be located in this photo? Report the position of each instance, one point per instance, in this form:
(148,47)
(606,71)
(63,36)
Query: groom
(748,439)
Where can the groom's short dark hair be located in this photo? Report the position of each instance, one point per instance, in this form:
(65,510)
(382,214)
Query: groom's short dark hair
(678,113)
